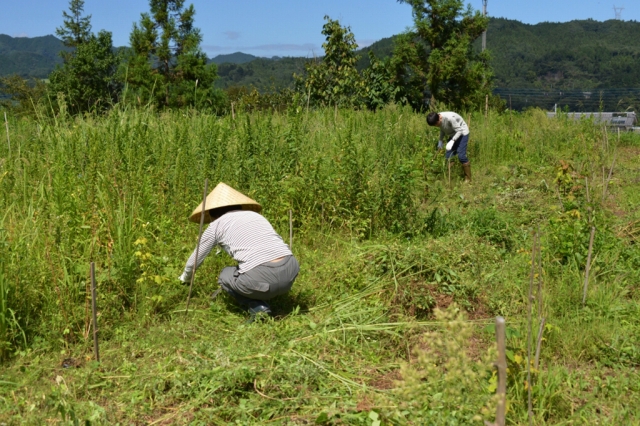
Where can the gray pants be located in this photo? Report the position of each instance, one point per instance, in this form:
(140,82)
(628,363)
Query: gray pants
(261,283)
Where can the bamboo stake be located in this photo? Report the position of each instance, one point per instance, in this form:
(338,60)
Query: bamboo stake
(486,106)
(290,230)
(510,119)
(613,163)
(502,372)
(233,113)
(603,183)
(588,267)
(529,334)
(539,294)
(6,124)
(195,263)
(586,184)
(94,309)
(539,343)
(449,165)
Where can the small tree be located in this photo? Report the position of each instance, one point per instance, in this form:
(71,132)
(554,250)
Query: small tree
(440,52)
(167,66)
(20,95)
(334,80)
(379,86)
(87,78)
(76,29)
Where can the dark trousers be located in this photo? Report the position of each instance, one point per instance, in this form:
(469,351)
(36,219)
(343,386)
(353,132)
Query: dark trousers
(264,282)
(460,148)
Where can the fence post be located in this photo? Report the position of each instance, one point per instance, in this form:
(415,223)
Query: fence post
(502,372)
(6,123)
(94,310)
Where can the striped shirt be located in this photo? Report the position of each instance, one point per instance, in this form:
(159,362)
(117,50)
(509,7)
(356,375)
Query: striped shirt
(246,236)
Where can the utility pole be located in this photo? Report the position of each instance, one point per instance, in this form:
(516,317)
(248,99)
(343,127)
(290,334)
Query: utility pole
(484,34)
(618,12)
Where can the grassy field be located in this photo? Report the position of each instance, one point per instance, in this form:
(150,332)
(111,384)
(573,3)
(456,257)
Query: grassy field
(403,270)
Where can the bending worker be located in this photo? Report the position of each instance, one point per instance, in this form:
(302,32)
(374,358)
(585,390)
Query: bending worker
(266,267)
(453,127)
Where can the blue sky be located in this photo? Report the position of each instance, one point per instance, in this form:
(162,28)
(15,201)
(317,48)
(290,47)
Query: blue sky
(287,27)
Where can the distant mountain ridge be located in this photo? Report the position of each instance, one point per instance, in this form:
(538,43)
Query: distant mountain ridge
(573,55)
(233,58)
(29,57)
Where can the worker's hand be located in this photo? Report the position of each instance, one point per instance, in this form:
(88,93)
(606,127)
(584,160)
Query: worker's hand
(184,279)
(440,145)
(450,145)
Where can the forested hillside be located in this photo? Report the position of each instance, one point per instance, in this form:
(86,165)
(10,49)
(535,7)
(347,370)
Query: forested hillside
(29,57)
(573,55)
(568,56)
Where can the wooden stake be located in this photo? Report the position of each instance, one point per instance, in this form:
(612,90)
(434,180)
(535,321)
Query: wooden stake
(602,183)
(502,372)
(586,185)
(510,120)
(606,185)
(233,113)
(539,343)
(539,294)
(529,334)
(6,123)
(195,263)
(94,310)
(449,165)
(486,106)
(290,230)
(588,267)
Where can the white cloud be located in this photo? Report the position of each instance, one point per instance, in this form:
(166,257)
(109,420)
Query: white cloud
(21,35)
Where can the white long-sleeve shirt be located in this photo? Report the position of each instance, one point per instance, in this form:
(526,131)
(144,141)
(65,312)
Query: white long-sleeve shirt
(245,235)
(452,126)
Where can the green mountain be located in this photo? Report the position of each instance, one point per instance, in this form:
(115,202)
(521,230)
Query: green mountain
(571,55)
(261,73)
(233,58)
(29,57)
(579,56)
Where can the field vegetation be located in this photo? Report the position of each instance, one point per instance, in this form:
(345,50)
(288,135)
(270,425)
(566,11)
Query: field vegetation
(404,268)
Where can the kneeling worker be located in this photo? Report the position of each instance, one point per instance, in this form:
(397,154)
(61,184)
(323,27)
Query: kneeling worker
(453,127)
(266,267)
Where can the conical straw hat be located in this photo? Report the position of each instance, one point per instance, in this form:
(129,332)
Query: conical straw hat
(222,196)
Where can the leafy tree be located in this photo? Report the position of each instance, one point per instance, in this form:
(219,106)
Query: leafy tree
(22,96)
(76,29)
(440,52)
(87,78)
(167,66)
(379,86)
(334,80)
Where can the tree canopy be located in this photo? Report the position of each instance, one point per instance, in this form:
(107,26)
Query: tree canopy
(167,66)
